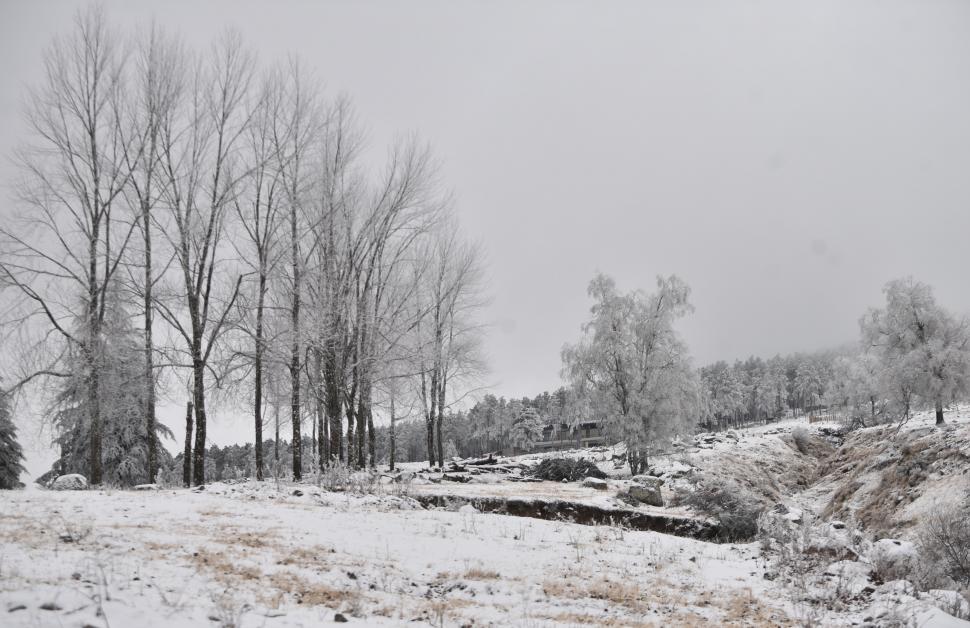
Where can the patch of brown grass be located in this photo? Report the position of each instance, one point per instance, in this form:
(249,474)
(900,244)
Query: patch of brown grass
(314,556)
(627,595)
(481,573)
(157,546)
(744,609)
(576,619)
(841,496)
(223,568)
(314,594)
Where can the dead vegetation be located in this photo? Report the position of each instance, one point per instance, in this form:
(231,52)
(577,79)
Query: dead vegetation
(878,473)
(306,592)
(481,573)
(224,568)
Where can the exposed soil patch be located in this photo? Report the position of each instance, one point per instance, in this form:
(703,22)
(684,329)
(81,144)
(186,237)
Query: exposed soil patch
(585,514)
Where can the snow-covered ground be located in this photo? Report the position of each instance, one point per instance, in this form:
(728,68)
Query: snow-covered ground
(253,556)
(261,554)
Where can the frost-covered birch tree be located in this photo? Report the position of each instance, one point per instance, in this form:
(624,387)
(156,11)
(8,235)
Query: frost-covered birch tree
(923,349)
(631,367)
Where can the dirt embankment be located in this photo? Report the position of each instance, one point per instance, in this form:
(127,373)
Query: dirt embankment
(886,478)
(576,512)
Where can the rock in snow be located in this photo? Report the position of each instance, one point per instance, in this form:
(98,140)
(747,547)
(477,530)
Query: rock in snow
(597,483)
(648,481)
(70,482)
(649,495)
(892,558)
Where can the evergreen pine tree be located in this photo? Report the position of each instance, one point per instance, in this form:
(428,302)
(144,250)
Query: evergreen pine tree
(124,452)
(11,454)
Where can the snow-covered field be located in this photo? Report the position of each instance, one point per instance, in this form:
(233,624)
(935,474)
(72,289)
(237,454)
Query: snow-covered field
(253,556)
(261,554)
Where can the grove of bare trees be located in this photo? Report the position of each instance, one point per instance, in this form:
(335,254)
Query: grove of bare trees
(194,225)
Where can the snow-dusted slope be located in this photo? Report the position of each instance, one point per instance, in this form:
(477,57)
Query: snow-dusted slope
(252,556)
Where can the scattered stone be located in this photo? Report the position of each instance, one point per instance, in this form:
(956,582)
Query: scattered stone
(597,483)
(70,482)
(339,618)
(297,493)
(648,481)
(50,606)
(404,476)
(16,607)
(644,494)
(145,487)
(893,559)
(672,471)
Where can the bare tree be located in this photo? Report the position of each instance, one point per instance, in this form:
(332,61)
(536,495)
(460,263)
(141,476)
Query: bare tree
(153,93)
(450,340)
(72,238)
(259,216)
(295,136)
(199,144)
(338,191)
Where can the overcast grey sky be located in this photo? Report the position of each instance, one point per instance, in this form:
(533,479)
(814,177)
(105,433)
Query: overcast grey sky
(785,158)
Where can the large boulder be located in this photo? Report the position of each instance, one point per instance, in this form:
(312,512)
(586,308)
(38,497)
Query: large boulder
(892,559)
(70,482)
(648,481)
(597,483)
(644,494)
(849,576)
(672,470)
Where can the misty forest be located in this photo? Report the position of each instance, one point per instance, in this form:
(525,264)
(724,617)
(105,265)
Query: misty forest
(247,380)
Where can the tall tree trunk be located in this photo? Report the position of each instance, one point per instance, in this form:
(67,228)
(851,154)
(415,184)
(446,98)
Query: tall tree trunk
(92,354)
(323,440)
(187,452)
(333,400)
(351,427)
(391,435)
(258,394)
(939,412)
(442,382)
(149,354)
(295,352)
(295,393)
(371,438)
(198,391)
(94,409)
(428,416)
(363,401)
(276,438)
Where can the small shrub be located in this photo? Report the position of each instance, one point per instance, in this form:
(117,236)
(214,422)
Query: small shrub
(735,509)
(336,477)
(559,469)
(944,543)
(801,439)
